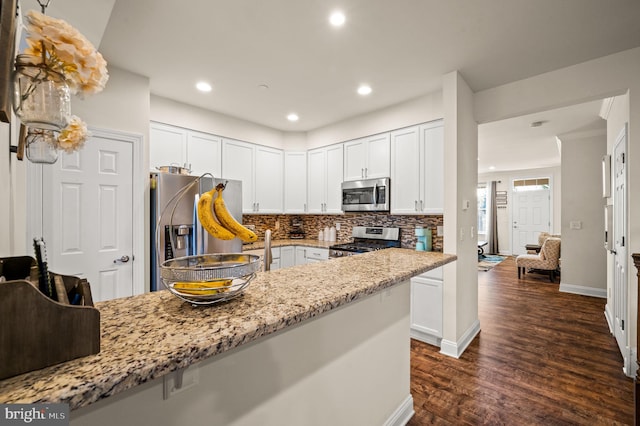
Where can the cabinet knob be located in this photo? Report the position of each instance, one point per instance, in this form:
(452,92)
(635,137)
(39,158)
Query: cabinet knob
(415,205)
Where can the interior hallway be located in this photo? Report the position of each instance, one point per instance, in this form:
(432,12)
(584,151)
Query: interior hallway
(542,358)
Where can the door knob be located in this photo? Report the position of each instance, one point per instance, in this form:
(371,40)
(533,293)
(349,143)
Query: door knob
(123,259)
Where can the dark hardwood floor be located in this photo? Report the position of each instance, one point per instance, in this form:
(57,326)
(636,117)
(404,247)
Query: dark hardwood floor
(542,358)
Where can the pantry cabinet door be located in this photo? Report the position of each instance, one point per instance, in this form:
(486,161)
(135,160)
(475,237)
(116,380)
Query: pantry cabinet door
(405,171)
(88,215)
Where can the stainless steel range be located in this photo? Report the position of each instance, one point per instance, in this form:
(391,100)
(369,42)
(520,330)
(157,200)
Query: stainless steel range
(365,239)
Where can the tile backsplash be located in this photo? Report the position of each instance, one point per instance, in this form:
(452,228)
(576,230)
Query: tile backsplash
(280,225)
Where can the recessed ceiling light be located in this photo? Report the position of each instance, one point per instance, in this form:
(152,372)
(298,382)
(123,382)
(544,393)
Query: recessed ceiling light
(337,18)
(364,90)
(203,86)
(292,117)
(538,123)
(492,167)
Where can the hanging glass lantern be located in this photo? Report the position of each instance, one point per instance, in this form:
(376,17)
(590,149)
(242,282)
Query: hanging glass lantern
(41,96)
(41,146)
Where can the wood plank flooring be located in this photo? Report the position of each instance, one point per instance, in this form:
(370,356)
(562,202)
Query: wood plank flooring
(542,358)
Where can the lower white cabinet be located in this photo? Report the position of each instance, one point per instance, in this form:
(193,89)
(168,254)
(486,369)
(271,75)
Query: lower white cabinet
(426,307)
(313,254)
(301,257)
(275,256)
(287,256)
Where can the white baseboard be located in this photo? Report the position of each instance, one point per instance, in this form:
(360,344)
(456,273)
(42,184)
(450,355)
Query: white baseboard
(456,349)
(403,413)
(609,317)
(584,291)
(425,337)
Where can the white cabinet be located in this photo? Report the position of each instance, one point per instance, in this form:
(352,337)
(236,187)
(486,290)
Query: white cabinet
(426,307)
(325,175)
(204,153)
(175,145)
(301,257)
(367,158)
(417,169)
(287,256)
(275,256)
(314,254)
(167,145)
(295,182)
(261,171)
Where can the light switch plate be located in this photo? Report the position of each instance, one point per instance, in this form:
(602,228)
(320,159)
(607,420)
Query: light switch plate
(575,224)
(440,231)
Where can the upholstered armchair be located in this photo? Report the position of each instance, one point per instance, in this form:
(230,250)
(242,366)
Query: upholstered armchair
(546,261)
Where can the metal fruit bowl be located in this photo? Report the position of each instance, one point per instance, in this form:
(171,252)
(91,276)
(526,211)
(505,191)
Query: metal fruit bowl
(219,277)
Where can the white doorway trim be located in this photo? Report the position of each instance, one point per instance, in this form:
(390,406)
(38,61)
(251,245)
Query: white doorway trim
(34,202)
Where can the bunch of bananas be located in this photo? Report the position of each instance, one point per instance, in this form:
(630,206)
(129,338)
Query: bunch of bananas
(222,226)
(201,288)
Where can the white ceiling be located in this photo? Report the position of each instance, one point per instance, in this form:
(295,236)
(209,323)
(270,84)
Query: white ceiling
(401,48)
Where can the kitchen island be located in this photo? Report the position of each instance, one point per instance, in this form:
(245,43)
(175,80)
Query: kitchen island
(325,343)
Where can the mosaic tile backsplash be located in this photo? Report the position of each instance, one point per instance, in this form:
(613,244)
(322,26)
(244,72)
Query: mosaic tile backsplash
(281,225)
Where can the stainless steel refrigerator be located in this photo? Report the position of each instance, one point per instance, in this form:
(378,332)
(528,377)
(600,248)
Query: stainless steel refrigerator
(178,230)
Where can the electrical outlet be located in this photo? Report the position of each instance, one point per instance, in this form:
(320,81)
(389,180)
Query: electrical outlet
(440,231)
(337,226)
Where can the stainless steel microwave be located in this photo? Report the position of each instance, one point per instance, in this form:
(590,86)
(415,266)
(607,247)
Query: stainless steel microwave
(369,195)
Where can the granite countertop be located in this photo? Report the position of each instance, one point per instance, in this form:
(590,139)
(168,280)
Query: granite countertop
(147,336)
(291,242)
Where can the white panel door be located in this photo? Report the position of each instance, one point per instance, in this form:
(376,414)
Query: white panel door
(238,164)
(295,182)
(405,171)
(378,156)
(204,154)
(334,178)
(88,216)
(531,216)
(316,180)
(269,180)
(620,238)
(167,145)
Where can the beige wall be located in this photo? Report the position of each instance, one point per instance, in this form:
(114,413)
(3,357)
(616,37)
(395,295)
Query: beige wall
(416,111)
(584,258)
(179,114)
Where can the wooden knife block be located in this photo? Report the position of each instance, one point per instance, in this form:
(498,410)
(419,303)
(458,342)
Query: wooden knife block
(36,331)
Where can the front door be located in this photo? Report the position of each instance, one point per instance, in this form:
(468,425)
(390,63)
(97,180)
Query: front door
(88,215)
(531,213)
(620,248)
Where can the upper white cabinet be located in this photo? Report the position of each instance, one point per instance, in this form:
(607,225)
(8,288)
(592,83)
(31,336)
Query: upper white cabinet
(325,168)
(204,153)
(175,145)
(295,182)
(261,171)
(367,158)
(417,169)
(167,145)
